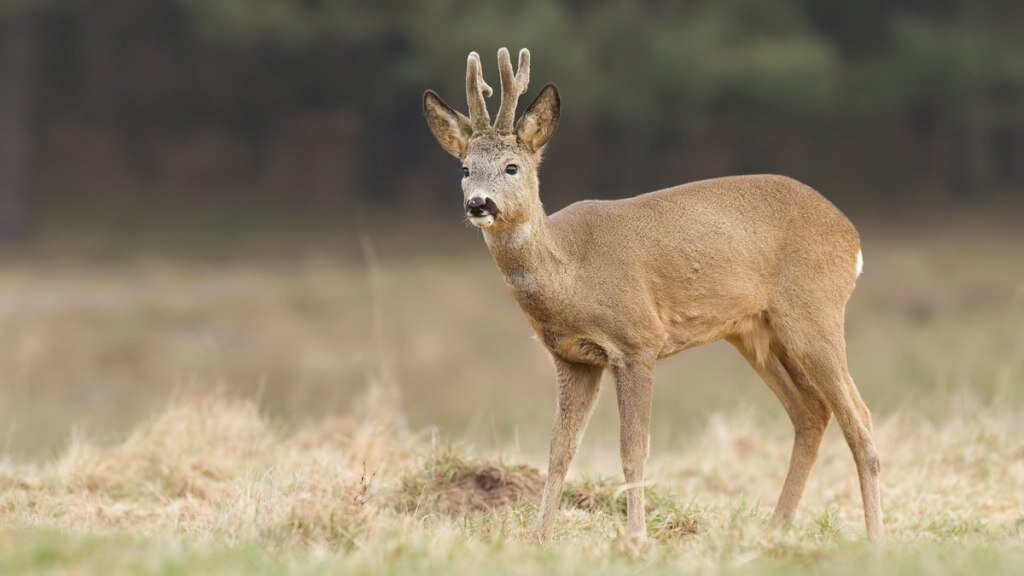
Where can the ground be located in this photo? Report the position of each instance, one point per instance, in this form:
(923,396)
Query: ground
(212,486)
(312,414)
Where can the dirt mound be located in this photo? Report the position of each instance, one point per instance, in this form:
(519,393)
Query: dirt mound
(450,485)
(491,486)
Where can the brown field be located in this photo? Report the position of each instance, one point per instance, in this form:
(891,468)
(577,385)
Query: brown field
(313,411)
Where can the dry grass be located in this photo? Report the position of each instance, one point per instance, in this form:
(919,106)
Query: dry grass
(212,476)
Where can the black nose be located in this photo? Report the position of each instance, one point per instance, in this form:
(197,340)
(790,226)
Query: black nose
(477,206)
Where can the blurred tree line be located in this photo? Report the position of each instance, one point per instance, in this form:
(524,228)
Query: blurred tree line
(289,103)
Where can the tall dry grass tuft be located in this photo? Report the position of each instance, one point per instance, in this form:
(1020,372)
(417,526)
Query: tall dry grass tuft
(212,468)
(190,451)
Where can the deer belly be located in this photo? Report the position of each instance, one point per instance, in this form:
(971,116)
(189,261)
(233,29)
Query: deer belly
(689,330)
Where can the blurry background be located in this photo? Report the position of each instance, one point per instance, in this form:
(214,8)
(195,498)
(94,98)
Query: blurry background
(243,194)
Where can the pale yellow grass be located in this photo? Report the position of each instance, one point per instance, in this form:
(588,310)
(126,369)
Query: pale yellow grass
(215,472)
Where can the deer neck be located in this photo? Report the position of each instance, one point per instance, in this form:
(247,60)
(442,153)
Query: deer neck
(531,262)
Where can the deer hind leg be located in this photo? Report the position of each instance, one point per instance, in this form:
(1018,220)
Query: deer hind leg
(820,354)
(807,411)
(862,408)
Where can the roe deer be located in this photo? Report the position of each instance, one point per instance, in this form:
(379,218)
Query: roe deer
(764,262)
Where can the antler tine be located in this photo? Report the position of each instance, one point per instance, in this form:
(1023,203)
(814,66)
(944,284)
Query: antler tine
(512,86)
(476,89)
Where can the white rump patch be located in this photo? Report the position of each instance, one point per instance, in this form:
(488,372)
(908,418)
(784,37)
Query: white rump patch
(860,263)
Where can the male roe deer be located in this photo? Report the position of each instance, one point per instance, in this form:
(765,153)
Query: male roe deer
(764,262)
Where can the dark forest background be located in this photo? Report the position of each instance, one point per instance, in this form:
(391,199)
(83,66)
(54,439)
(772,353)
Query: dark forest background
(171,108)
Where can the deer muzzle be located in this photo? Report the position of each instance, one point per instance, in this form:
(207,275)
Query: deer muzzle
(482,211)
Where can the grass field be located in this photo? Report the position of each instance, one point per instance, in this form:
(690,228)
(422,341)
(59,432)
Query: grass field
(314,412)
(211,486)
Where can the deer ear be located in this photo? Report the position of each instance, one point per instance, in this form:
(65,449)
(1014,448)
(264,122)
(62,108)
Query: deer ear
(538,123)
(451,128)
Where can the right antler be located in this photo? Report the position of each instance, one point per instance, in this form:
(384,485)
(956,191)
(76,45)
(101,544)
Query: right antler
(476,89)
(512,86)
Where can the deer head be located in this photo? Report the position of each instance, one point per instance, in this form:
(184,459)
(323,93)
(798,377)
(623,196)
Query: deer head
(499,162)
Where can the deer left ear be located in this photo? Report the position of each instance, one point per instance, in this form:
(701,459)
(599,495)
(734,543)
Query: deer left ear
(451,128)
(538,123)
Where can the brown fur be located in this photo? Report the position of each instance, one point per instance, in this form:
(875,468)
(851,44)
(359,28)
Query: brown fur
(764,262)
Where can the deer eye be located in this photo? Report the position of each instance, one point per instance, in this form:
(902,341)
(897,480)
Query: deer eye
(512,169)
(465,172)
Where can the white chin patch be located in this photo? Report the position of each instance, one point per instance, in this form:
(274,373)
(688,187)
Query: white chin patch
(860,263)
(482,221)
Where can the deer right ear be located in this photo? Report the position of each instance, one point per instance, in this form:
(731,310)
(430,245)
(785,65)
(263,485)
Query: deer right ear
(451,128)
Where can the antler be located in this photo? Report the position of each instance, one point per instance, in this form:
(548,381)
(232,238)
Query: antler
(512,86)
(476,89)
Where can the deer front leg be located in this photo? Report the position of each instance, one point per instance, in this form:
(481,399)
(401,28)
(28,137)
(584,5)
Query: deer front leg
(634,383)
(578,385)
